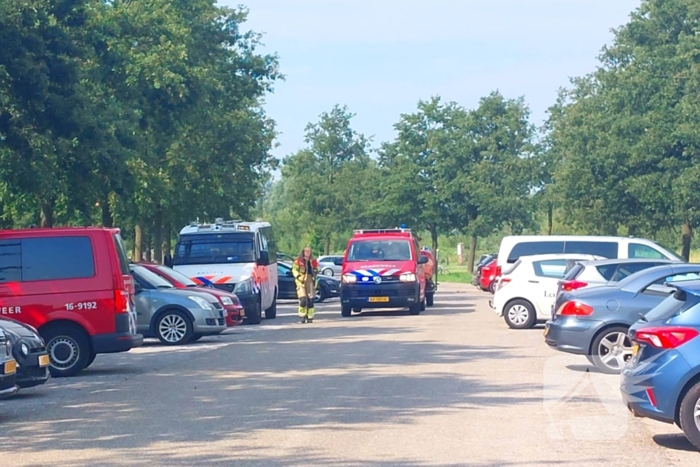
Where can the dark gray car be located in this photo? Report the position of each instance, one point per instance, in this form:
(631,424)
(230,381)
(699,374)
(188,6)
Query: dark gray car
(594,322)
(174,316)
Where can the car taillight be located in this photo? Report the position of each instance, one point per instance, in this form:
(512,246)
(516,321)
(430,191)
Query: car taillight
(121,301)
(569,286)
(503,282)
(498,271)
(666,337)
(575,309)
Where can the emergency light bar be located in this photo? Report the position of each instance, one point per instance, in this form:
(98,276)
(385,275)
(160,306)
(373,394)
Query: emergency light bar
(380,231)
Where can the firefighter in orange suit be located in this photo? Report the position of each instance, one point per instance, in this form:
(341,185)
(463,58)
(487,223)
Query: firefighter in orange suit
(305,272)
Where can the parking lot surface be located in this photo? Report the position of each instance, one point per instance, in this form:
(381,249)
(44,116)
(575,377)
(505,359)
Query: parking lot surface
(453,386)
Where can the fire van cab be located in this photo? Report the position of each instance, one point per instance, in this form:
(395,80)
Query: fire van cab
(383,269)
(73,285)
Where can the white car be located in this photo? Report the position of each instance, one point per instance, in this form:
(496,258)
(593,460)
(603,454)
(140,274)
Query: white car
(330,265)
(527,290)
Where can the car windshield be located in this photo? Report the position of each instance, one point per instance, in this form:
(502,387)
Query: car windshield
(380,250)
(150,278)
(215,249)
(177,276)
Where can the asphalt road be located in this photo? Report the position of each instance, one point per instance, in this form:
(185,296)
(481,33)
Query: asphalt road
(452,386)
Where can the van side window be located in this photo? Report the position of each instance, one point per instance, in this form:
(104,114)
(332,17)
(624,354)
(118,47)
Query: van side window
(605,249)
(534,248)
(10,261)
(45,259)
(270,243)
(638,250)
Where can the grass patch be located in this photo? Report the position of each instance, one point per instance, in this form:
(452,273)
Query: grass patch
(455,274)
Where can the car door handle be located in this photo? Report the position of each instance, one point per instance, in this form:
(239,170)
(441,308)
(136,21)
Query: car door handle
(534,282)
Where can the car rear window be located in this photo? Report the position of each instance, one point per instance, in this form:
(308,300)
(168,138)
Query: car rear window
(574,272)
(632,268)
(45,259)
(678,303)
(555,268)
(607,271)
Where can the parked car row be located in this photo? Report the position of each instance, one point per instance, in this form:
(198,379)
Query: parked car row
(635,313)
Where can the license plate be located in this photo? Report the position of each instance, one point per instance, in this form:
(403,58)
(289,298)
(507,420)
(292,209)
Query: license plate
(635,349)
(10,367)
(43,360)
(546,331)
(379,299)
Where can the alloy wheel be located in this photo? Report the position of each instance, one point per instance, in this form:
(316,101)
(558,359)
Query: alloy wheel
(173,328)
(615,350)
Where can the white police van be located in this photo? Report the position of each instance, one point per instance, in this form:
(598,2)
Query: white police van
(235,256)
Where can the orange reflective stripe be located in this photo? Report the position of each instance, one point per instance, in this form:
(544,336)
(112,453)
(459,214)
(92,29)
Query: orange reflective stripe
(222,280)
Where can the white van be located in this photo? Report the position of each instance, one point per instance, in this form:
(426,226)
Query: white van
(515,246)
(235,256)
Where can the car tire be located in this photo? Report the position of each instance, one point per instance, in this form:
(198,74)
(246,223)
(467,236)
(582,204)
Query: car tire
(91,359)
(69,350)
(327,272)
(492,287)
(519,314)
(173,327)
(430,299)
(688,421)
(611,339)
(321,294)
(345,311)
(271,313)
(255,316)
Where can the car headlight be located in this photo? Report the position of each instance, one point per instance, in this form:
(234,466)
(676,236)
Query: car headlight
(24,348)
(349,278)
(245,286)
(407,277)
(201,302)
(227,301)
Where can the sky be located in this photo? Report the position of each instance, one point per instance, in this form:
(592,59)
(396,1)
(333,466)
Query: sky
(380,57)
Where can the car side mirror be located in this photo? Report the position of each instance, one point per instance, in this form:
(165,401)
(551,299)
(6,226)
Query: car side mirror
(422,259)
(264,259)
(137,287)
(168,260)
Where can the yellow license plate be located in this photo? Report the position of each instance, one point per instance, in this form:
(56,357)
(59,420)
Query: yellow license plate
(546,331)
(635,349)
(43,360)
(379,299)
(10,367)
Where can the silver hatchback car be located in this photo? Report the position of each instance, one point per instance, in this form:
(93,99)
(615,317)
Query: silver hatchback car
(174,316)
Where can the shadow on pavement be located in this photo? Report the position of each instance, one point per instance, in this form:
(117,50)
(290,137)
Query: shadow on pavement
(305,379)
(677,442)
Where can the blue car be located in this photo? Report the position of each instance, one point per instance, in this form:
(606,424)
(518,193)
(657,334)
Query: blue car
(662,379)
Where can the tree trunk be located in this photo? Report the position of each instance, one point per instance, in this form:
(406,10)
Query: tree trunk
(327,246)
(138,244)
(472,253)
(158,236)
(550,215)
(46,214)
(687,231)
(107,218)
(632,230)
(148,244)
(434,237)
(167,239)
